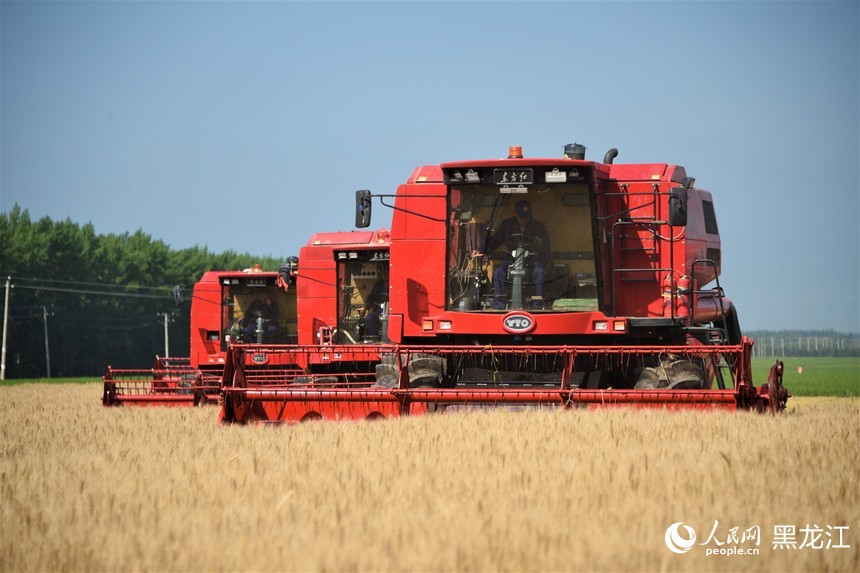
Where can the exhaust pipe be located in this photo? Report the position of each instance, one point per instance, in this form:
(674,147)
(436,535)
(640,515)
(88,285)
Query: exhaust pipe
(610,156)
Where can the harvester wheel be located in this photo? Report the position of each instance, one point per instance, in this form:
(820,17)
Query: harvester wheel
(675,375)
(386,371)
(684,375)
(648,380)
(425,370)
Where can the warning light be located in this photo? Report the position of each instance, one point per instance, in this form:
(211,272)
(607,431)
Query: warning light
(515,152)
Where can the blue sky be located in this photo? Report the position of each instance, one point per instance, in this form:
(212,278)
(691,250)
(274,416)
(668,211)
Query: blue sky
(248,126)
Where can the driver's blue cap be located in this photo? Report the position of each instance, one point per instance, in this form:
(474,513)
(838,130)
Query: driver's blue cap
(523,209)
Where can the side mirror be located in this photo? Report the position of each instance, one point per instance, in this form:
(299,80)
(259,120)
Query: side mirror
(678,207)
(177,295)
(287,272)
(362,208)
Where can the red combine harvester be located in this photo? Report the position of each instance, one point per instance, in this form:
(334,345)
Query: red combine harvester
(226,306)
(226,309)
(519,282)
(342,292)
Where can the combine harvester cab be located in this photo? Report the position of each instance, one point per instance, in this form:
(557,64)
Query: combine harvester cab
(227,307)
(530,282)
(342,289)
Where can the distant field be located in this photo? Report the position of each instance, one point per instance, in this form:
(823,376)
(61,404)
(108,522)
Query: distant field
(821,376)
(85,380)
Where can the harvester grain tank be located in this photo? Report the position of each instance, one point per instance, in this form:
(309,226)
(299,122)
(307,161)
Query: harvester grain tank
(530,281)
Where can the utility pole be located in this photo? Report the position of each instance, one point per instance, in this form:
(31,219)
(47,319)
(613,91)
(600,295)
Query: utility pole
(5,322)
(47,351)
(166,316)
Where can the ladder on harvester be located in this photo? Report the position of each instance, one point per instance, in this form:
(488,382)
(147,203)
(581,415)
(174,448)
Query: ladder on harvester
(635,241)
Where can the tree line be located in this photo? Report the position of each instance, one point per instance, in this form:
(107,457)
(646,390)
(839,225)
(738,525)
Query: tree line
(81,300)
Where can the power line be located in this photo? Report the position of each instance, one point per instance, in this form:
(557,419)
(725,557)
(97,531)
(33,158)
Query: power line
(99,284)
(105,316)
(94,292)
(98,328)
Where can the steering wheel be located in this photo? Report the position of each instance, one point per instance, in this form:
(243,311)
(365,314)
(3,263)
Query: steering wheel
(520,240)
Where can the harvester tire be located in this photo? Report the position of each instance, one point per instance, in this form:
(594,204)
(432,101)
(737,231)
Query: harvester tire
(386,371)
(675,375)
(425,371)
(684,375)
(649,379)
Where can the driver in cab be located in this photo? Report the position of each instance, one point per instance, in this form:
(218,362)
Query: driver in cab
(262,307)
(525,231)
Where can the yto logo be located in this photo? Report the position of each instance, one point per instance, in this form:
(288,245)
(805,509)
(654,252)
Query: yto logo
(518,323)
(259,358)
(678,543)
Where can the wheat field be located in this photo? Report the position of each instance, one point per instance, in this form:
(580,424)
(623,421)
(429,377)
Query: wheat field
(84,488)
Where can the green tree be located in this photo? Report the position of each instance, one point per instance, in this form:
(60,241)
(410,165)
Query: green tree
(105,294)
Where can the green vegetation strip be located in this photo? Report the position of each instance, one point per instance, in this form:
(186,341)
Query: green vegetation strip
(814,376)
(86,380)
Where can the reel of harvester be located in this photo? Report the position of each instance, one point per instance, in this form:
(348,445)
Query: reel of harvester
(351,382)
(170,382)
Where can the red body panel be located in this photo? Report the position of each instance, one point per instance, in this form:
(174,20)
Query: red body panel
(207,350)
(317,278)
